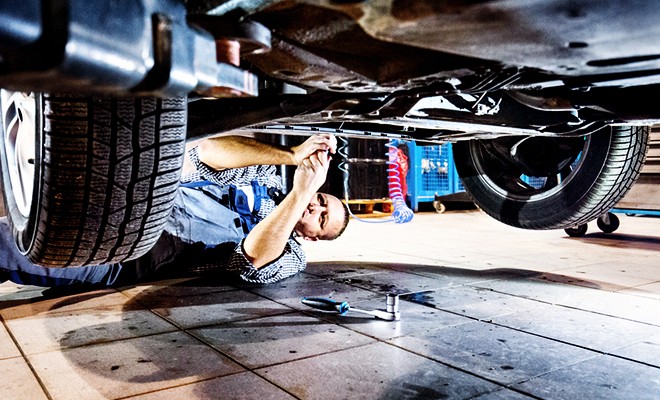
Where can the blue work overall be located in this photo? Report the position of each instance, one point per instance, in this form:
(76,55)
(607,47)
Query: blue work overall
(214,214)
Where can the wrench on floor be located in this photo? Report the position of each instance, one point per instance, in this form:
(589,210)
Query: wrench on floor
(341,307)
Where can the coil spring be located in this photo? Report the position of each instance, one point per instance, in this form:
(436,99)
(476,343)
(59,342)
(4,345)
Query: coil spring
(401,212)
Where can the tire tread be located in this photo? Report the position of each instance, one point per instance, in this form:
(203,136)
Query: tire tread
(111,168)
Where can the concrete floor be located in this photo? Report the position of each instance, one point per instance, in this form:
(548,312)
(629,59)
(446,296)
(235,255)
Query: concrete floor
(488,312)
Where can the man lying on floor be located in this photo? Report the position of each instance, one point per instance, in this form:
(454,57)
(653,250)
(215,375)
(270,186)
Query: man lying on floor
(229,216)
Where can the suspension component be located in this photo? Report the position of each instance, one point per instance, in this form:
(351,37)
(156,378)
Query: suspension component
(127,47)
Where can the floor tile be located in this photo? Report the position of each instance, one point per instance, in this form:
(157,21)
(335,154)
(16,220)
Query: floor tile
(129,367)
(503,394)
(13,294)
(214,308)
(500,354)
(582,328)
(549,288)
(603,377)
(639,245)
(376,371)
(80,327)
(8,348)
(342,269)
(646,351)
(473,302)
(241,386)
(95,300)
(9,287)
(580,280)
(394,282)
(18,381)
(529,264)
(154,292)
(456,253)
(616,274)
(272,340)
(651,290)
(454,275)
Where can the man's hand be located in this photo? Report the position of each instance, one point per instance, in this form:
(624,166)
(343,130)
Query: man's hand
(318,143)
(311,173)
(267,240)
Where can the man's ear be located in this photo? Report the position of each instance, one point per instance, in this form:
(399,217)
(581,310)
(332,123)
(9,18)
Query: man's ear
(311,239)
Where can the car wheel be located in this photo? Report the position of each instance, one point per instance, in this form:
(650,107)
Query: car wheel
(549,182)
(89,180)
(608,222)
(577,231)
(439,207)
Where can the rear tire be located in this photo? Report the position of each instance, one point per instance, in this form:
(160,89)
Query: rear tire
(581,180)
(106,172)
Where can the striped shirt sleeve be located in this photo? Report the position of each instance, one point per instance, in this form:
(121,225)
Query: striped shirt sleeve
(291,262)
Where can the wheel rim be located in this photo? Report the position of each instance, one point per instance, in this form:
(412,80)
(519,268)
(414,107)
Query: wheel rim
(18,119)
(513,171)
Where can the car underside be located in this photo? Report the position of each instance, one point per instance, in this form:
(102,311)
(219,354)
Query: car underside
(558,90)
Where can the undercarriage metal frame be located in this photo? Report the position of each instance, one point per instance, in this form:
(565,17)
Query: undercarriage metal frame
(123,47)
(407,117)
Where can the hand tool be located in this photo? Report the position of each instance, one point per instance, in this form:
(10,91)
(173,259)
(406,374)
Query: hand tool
(341,307)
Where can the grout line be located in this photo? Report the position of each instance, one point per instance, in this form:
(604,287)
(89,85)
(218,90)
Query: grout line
(572,307)
(27,361)
(183,385)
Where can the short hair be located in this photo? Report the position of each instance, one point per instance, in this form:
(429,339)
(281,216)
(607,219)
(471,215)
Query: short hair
(347,217)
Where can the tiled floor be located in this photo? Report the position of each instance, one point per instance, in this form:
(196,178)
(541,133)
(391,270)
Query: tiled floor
(488,312)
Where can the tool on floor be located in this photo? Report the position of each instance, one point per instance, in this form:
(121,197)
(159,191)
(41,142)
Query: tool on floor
(391,312)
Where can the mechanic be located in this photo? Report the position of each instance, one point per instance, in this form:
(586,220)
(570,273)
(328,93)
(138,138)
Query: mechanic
(226,219)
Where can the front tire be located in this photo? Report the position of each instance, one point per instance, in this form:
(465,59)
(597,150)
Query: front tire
(105,174)
(552,183)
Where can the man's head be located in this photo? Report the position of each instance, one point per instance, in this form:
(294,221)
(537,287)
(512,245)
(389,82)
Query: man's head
(325,218)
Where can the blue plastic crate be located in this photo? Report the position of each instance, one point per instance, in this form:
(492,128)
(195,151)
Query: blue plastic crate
(431,172)
(534,181)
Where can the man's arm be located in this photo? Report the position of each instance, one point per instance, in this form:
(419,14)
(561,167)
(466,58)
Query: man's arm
(226,152)
(268,238)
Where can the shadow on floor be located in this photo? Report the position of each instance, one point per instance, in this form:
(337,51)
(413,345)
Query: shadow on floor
(620,240)
(165,354)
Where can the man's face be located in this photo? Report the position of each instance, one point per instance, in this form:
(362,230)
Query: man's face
(323,218)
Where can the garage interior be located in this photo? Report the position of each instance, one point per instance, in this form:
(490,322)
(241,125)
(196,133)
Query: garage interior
(98,100)
(487,311)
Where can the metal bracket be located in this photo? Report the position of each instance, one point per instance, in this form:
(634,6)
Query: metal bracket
(125,48)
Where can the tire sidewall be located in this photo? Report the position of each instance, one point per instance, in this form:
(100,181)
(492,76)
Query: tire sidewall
(558,210)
